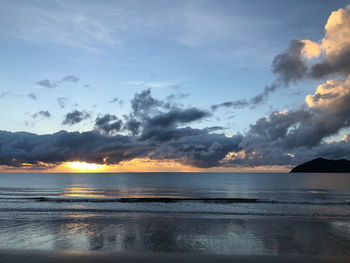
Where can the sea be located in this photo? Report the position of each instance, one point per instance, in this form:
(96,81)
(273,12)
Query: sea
(216,213)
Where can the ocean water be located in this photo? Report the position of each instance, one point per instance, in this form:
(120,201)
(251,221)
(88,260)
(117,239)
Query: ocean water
(222,213)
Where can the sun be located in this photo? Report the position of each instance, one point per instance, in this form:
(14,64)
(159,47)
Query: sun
(83,166)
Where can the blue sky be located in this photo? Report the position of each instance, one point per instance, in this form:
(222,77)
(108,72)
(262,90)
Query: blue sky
(204,52)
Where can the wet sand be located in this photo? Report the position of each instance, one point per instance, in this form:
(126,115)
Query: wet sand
(220,221)
(167,233)
(39,256)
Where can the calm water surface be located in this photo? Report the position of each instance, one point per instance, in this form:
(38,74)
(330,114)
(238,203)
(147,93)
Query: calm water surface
(177,212)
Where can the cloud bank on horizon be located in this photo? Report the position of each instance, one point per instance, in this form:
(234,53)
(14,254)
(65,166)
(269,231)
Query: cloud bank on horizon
(166,130)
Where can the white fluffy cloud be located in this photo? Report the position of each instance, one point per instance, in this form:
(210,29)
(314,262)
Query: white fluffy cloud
(332,96)
(337,36)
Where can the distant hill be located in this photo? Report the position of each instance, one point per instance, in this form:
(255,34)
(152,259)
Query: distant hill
(322,165)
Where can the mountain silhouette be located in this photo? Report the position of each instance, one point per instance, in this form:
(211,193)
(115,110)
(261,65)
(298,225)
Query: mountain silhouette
(321,165)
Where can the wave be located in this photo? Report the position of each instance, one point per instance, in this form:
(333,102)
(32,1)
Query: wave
(179,200)
(117,212)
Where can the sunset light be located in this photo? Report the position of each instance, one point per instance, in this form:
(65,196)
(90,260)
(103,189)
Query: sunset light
(83,166)
(167,131)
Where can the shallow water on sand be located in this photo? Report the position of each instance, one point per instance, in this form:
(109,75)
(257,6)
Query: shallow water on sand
(177,212)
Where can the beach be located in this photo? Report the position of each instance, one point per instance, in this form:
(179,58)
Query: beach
(39,256)
(239,218)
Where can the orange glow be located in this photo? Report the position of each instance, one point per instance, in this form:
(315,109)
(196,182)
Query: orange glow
(84,195)
(82,192)
(83,166)
(123,192)
(134,166)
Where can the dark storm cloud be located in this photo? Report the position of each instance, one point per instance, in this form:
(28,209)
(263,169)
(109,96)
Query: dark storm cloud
(41,114)
(299,127)
(75,117)
(163,126)
(194,147)
(289,66)
(296,136)
(159,126)
(108,124)
(279,139)
(132,125)
(198,148)
(21,147)
(333,64)
(160,131)
(149,115)
(177,116)
(259,153)
(156,132)
(143,103)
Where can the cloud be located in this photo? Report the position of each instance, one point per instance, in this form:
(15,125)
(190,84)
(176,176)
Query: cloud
(32,96)
(197,147)
(70,78)
(162,126)
(75,117)
(289,66)
(153,118)
(143,103)
(98,26)
(301,134)
(334,48)
(116,99)
(158,132)
(337,35)
(189,146)
(311,49)
(262,97)
(41,114)
(237,104)
(333,96)
(132,125)
(45,83)
(177,116)
(338,64)
(48,84)
(252,102)
(5,94)
(62,102)
(177,96)
(298,135)
(21,147)
(108,124)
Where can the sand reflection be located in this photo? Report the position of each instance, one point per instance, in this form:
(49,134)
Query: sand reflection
(143,232)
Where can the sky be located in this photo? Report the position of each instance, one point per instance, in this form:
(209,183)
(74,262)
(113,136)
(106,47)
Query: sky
(173,85)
